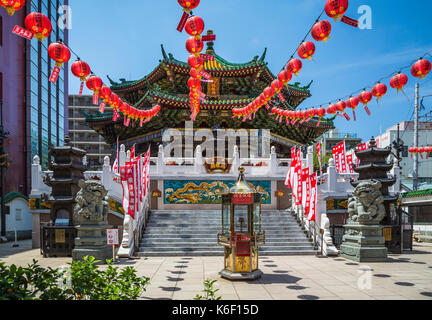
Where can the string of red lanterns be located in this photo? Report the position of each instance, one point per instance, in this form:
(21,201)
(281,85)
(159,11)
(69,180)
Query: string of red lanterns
(39,26)
(320,31)
(194,26)
(420,151)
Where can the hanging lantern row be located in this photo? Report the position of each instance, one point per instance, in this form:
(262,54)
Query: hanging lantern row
(188,6)
(194,26)
(420,151)
(194,45)
(292,117)
(12,5)
(320,32)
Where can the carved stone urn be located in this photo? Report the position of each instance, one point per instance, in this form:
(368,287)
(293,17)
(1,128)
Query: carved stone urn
(91,221)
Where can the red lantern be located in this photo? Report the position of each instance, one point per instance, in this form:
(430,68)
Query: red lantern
(341,106)
(399,81)
(284,77)
(194,46)
(336,8)
(59,53)
(39,25)
(195,62)
(105,94)
(189,4)
(379,90)
(294,66)
(365,97)
(321,30)
(81,70)
(194,83)
(331,109)
(321,112)
(95,84)
(194,26)
(353,103)
(12,5)
(195,74)
(277,85)
(269,93)
(421,68)
(306,50)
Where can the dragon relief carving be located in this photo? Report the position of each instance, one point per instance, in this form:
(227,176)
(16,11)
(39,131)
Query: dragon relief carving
(91,202)
(367,204)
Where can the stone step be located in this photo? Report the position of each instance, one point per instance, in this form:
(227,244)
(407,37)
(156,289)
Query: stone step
(193,233)
(214,239)
(208,244)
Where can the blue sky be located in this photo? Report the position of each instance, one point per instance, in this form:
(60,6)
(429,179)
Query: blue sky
(122,39)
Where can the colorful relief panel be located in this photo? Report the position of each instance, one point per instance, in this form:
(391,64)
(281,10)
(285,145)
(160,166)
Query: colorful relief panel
(207,192)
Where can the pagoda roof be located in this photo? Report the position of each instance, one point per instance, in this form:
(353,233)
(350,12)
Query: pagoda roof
(169,67)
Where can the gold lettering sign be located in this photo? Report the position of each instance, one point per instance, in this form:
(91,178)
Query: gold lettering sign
(387,234)
(217,165)
(213,87)
(60,235)
(279,193)
(156,194)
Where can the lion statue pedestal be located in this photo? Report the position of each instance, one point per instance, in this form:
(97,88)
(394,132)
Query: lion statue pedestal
(90,219)
(363,240)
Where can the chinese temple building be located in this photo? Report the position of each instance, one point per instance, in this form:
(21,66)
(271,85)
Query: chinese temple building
(234,86)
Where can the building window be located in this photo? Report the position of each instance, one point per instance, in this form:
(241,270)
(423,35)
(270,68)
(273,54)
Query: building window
(405,152)
(18,214)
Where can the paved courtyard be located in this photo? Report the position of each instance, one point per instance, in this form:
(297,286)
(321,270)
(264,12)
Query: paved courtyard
(405,277)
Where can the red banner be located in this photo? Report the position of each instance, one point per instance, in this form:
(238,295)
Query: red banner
(182,22)
(207,57)
(350,163)
(205,75)
(54,75)
(349,21)
(102,107)
(19,31)
(242,198)
(281,97)
(313,197)
(81,89)
(95,99)
(208,37)
(306,190)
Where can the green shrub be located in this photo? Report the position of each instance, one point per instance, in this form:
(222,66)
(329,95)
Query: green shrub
(84,281)
(209,290)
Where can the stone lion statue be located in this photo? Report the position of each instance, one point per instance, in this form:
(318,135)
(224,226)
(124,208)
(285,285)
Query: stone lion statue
(91,202)
(367,204)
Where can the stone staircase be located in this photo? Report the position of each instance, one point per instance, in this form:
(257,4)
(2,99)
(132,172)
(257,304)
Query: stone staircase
(194,233)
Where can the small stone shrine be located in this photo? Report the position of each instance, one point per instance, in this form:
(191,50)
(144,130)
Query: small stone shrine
(363,240)
(68,170)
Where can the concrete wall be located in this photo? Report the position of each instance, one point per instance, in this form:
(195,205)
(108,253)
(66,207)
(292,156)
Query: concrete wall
(19,219)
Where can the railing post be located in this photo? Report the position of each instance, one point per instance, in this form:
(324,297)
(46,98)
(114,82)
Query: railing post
(107,174)
(198,160)
(160,164)
(273,161)
(36,175)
